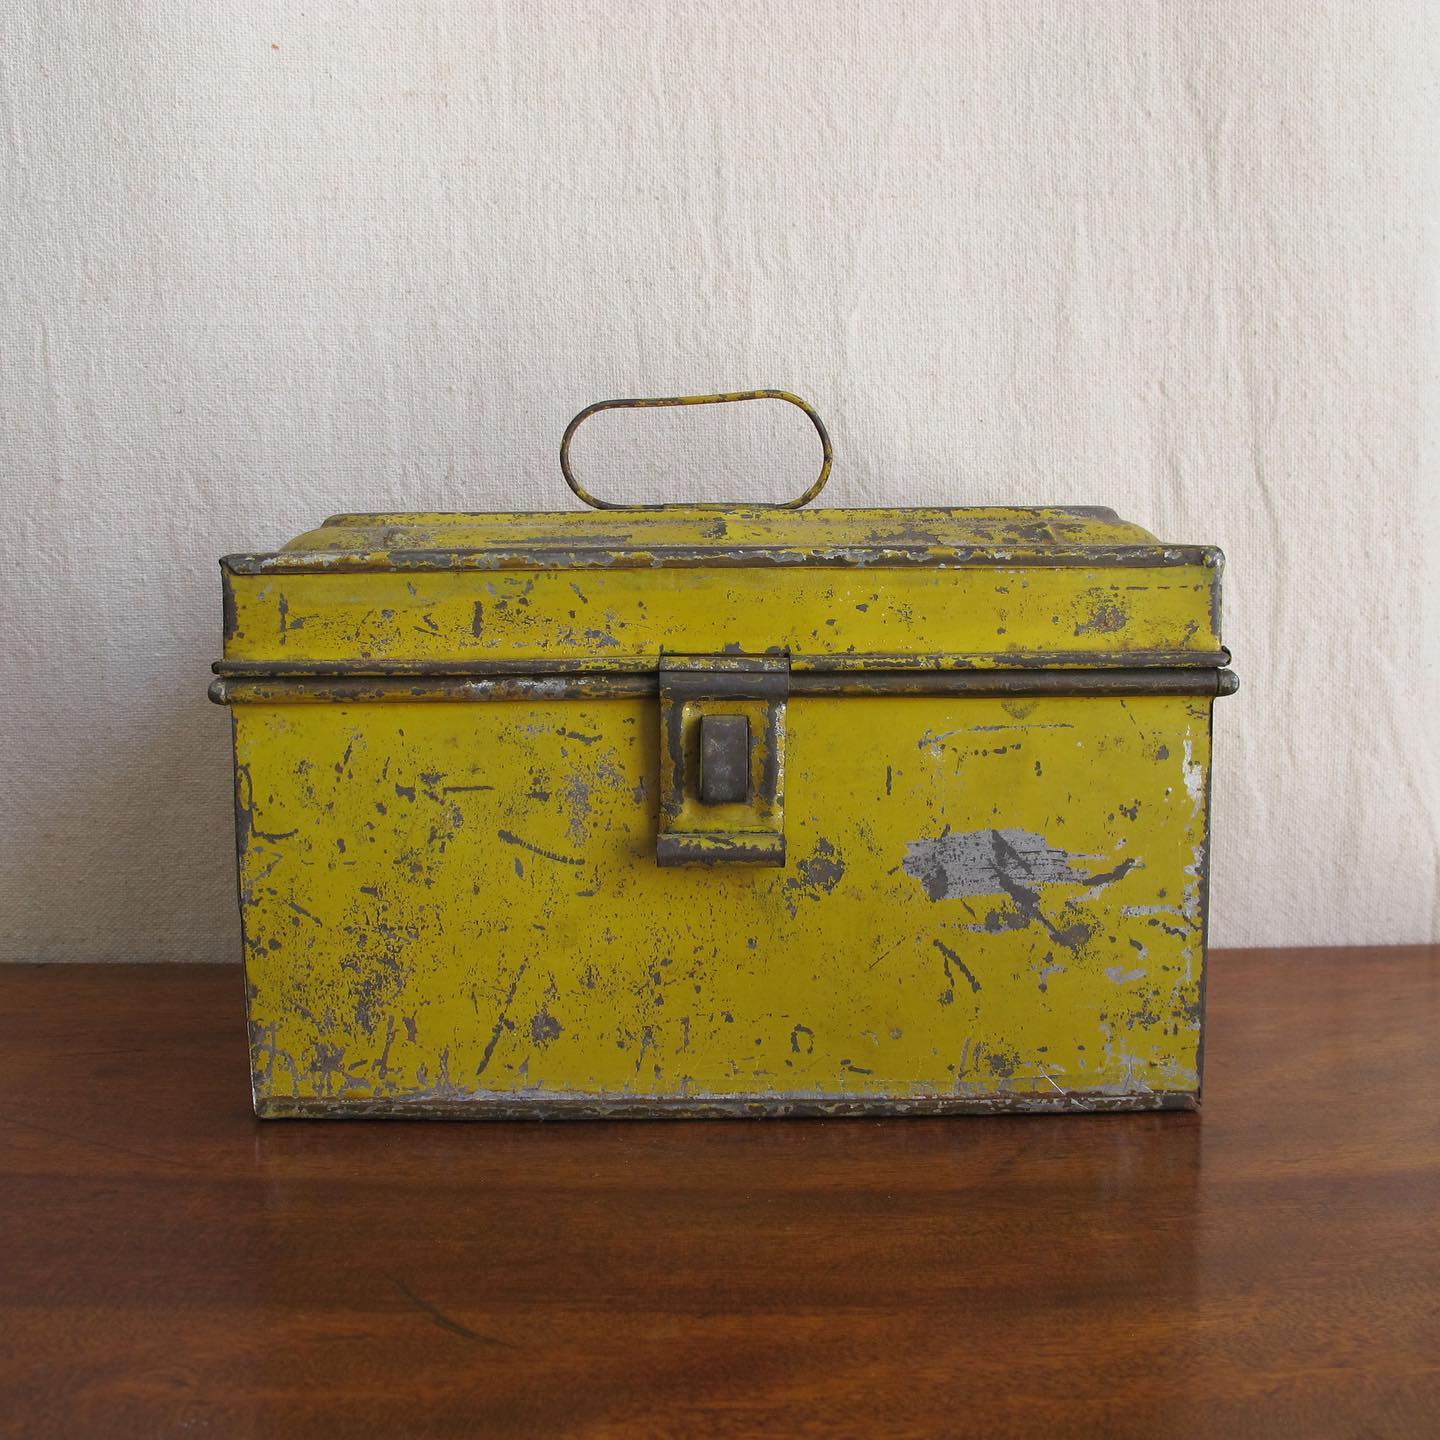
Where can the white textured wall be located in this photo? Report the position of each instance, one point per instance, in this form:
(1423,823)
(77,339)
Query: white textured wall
(264,261)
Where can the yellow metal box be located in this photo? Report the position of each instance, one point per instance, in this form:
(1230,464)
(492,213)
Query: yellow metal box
(722,810)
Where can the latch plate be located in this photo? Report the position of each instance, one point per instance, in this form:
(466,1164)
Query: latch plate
(722,759)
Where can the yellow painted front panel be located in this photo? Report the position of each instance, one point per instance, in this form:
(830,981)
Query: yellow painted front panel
(990,900)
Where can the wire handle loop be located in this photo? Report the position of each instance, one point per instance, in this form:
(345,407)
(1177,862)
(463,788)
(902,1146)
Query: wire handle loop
(667,400)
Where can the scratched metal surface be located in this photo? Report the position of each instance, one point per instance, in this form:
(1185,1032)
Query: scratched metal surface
(978,895)
(1097,611)
(1073,583)
(721,527)
(987,901)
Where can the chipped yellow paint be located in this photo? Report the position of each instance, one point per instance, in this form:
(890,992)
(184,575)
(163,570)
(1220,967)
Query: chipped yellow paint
(998,585)
(987,902)
(455,615)
(455,900)
(719,528)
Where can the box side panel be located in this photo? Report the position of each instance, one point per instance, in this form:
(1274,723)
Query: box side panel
(991,901)
(1021,614)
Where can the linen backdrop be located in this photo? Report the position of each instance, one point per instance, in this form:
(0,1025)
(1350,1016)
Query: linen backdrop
(264,262)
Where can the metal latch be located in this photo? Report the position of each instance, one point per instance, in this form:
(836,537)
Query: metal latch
(722,759)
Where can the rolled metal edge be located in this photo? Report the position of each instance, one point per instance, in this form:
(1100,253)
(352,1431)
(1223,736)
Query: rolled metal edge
(674,848)
(411,689)
(659,557)
(796,662)
(493,1106)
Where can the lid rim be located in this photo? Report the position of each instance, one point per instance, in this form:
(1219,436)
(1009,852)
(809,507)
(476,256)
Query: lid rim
(977,663)
(879,557)
(973,684)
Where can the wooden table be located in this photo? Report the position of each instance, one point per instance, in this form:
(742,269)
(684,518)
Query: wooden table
(168,1266)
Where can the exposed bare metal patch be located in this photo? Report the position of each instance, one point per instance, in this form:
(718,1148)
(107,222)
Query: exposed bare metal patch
(993,862)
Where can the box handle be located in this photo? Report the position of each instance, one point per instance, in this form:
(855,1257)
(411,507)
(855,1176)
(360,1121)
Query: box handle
(659,400)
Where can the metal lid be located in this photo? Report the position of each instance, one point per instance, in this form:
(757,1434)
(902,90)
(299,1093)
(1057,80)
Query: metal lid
(1059,586)
(712,536)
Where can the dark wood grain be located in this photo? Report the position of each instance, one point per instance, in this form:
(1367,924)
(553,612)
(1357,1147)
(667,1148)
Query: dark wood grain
(1270,1267)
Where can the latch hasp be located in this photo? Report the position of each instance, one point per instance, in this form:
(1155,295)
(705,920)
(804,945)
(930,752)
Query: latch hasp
(712,706)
